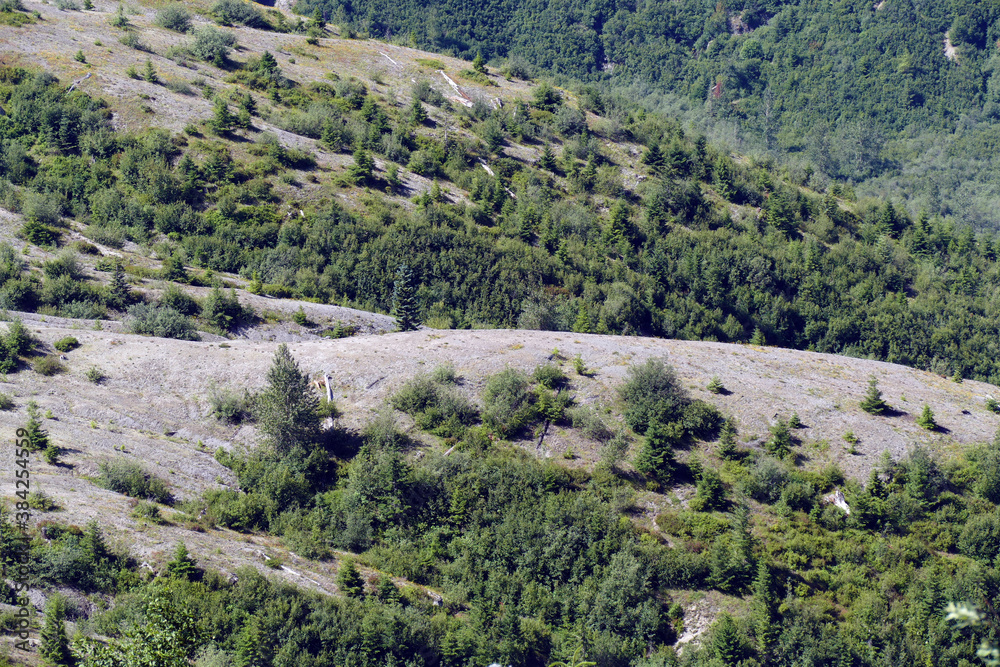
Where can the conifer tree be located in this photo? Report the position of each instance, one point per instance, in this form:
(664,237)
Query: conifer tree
(37,437)
(182,566)
(582,323)
(222,119)
(764,609)
(349,580)
(727,441)
(547,161)
(317,20)
(361,170)
(286,409)
(248,104)
(404,300)
(54,647)
(417,114)
(758,337)
(656,458)
(873,403)
(119,294)
(780,443)
(478,63)
(149,72)
(653,158)
(926,419)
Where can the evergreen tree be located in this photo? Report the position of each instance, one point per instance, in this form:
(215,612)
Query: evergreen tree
(417,114)
(51,453)
(715,385)
(872,402)
(726,644)
(780,444)
(37,437)
(286,409)
(349,580)
(54,647)
(363,166)
(547,161)
(222,119)
(926,419)
(764,610)
(758,337)
(317,20)
(478,63)
(656,458)
(582,323)
(248,104)
(653,157)
(149,72)
(710,493)
(727,441)
(182,566)
(118,294)
(404,300)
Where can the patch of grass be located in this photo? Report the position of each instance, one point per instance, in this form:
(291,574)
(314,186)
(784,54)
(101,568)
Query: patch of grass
(432,63)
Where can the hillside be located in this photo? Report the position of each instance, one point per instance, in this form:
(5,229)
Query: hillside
(897,97)
(615,435)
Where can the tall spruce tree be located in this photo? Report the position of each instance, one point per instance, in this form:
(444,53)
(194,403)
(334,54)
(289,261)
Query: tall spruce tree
(404,300)
(286,409)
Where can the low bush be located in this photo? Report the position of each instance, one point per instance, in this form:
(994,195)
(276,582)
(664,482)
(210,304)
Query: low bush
(161,321)
(131,479)
(66,344)
(174,17)
(48,365)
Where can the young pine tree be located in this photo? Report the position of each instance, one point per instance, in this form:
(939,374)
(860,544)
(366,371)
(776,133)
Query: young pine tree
(727,441)
(547,161)
(764,610)
(222,119)
(404,300)
(926,419)
(54,647)
(182,566)
(118,294)
(349,580)
(478,63)
(780,443)
(656,458)
(417,114)
(873,403)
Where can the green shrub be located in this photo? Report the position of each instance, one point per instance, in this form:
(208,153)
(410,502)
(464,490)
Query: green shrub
(227,405)
(227,12)
(224,310)
(549,376)
(507,403)
(980,538)
(66,344)
(176,298)
(95,375)
(652,394)
(148,511)
(161,321)
(6,402)
(444,374)
(174,17)
(39,500)
(131,479)
(212,45)
(49,365)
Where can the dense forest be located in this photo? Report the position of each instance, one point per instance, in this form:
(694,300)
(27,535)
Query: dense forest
(850,90)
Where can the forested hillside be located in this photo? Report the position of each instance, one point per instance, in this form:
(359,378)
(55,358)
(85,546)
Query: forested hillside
(185,152)
(848,90)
